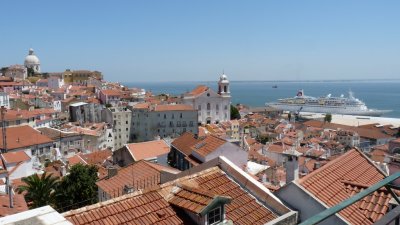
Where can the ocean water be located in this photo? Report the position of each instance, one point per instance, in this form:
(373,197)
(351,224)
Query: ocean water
(375,94)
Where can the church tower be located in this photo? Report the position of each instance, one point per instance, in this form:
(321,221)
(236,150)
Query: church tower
(223,86)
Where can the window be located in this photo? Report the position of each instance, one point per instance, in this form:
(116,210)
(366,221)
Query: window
(180,115)
(191,124)
(214,216)
(217,106)
(226,107)
(208,106)
(178,124)
(165,116)
(199,107)
(173,116)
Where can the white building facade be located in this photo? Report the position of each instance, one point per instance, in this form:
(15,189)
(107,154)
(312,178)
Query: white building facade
(162,121)
(119,118)
(213,107)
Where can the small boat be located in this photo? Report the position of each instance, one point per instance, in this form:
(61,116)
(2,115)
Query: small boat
(275,86)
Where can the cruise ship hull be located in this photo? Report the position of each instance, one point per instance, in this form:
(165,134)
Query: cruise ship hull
(348,110)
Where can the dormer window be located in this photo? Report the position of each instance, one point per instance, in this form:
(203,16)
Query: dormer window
(214,216)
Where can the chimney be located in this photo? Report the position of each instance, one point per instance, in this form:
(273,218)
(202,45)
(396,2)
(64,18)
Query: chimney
(317,165)
(112,171)
(292,168)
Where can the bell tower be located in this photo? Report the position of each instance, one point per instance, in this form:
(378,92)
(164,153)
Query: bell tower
(223,86)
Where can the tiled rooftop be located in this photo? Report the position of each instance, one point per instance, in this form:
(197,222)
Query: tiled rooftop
(191,198)
(139,175)
(177,107)
(244,208)
(147,208)
(341,178)
(147,150)
(207,145)
(23,136)
(198,90)
(184,143)
(154,205)
(15,157)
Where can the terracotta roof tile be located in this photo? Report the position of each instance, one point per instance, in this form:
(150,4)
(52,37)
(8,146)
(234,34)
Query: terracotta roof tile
(19,204)
(244,209)
(340,179)
(97,157)
(15,157)
(198,90)
(23,136)
(138,175)
(208,145)
(147,150)
(184,143)
(112,92)
(137,208)
(191,198)
(177,107)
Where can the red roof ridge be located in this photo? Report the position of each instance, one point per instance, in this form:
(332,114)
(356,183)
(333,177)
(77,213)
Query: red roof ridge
(326,166)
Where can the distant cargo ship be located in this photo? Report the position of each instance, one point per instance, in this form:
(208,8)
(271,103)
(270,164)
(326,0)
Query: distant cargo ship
(328,104)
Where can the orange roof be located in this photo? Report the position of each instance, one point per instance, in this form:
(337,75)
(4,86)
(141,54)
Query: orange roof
(147,208)
(144,105)
(243,209)
(97,157)
(191,198)
(147,150)
(150,207)
(15,157)
(345,176)
(111,92)
(138,175)
(178,107)
(23,136)
(19,205)
(184,143)
(208,145)
(75,160)
(198,90)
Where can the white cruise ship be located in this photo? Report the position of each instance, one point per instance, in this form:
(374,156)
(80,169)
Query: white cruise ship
(333,105)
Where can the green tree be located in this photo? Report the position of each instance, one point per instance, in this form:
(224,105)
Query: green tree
(289,116)
(398,133)
(30,72)
(263,139)
(40,190)
(78,188)
(234,113)
(328,118)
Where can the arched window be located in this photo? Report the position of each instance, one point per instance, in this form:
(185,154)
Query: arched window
(225,89)
(208,106)
(217,107)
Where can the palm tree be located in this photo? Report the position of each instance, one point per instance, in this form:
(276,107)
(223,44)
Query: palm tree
(41,190)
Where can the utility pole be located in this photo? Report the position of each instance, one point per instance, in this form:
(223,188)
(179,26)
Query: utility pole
(3,111)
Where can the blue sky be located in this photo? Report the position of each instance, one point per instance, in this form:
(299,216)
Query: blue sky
(169,40)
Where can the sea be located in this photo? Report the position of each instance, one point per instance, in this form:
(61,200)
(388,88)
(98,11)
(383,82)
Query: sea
(375,94)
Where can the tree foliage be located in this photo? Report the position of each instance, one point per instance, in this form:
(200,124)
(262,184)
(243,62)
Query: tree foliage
(78,188)
(263,139)
(328,118)
(40,190)
(234,113)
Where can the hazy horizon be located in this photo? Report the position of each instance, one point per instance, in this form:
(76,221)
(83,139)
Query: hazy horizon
(139,41)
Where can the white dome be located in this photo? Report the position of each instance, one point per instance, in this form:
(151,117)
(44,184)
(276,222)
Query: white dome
(223,79)
(31,59)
